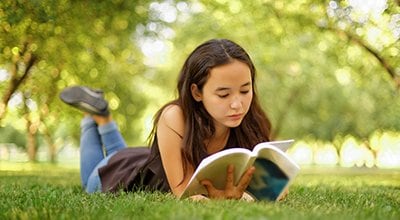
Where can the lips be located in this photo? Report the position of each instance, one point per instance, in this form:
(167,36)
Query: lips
(235,116)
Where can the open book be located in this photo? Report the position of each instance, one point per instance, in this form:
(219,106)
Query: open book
(273,174)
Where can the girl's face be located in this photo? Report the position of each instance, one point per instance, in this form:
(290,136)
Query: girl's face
(227,94)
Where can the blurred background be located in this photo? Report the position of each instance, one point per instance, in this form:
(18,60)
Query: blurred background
(328,72)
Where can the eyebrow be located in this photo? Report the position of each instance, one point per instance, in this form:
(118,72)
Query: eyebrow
(227,88)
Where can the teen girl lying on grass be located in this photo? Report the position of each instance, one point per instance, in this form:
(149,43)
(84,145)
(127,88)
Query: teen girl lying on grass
(217,108)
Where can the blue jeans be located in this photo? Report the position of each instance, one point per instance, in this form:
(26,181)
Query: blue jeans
(98,144)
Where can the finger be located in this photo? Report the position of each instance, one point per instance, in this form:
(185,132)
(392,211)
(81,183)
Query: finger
(246,178)
(230,177)
(208,185)
(213,192)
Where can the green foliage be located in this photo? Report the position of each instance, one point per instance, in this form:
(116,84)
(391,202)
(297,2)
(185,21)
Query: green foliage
(54,193)
(320,70)
(11,135)
(75,42)
(324,68)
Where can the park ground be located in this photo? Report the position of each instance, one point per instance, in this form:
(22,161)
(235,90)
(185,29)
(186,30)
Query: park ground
(43,191)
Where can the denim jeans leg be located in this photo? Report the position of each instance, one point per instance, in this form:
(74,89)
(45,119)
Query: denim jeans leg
(91,148)
(111,138)
(94,182)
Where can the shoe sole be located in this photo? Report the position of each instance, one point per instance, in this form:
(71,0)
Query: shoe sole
(78,97)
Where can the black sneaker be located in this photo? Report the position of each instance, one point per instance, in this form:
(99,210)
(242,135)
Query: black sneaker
(86,99)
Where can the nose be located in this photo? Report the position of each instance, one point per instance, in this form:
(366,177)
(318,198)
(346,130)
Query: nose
(236,103)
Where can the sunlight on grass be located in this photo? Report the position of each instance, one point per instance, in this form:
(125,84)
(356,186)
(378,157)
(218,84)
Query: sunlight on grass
(28,166)
(348,177)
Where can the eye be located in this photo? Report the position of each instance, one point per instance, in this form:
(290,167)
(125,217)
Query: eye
(223,95)
(245,92)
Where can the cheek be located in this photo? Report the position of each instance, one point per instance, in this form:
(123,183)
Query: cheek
(215,107)
(248,101)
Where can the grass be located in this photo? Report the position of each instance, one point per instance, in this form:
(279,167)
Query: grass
(53,192)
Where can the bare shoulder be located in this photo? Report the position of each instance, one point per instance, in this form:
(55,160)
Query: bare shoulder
(172,112)
(173,118)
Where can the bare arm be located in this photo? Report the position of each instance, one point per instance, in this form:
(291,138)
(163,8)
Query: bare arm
(170,129)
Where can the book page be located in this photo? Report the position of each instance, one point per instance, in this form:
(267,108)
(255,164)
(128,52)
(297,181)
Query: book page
(214,168)
(282,145)
(286,164)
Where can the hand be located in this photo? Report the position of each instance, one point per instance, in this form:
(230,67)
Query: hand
(231,191)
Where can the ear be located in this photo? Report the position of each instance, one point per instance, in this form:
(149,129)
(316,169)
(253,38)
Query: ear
(196,93)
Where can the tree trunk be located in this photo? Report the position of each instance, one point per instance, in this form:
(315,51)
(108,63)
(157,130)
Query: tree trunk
(16,80)
(47,131)
(31,144)
(31,130)
(52,151)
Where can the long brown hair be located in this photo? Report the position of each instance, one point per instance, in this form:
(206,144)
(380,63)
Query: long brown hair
(255,127)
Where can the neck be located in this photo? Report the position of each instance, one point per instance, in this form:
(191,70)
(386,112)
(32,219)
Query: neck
(218,141)
(222,133)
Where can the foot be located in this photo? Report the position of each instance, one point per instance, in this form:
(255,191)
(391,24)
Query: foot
(102,119)
(86,99)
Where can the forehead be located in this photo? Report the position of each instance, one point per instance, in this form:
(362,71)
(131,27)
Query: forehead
(232,74)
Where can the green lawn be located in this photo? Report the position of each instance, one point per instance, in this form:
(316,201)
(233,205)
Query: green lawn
(49,192)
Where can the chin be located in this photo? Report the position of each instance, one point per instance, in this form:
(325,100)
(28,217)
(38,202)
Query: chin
(233,125)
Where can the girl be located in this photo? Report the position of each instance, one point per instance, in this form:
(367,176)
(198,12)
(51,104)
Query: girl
(217,108)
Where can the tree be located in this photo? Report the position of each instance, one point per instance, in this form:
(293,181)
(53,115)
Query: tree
(324,68)
(319,74)
(47,45)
